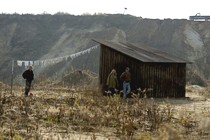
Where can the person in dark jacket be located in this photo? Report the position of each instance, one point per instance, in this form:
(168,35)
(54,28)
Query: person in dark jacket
(28,75)
(126,78)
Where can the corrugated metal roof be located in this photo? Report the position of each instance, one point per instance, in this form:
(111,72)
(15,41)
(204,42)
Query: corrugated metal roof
(141,53)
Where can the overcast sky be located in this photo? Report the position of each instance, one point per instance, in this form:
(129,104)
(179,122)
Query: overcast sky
(145,8)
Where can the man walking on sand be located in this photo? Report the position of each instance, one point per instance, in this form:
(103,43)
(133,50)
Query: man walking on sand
(126,78)
(29,76)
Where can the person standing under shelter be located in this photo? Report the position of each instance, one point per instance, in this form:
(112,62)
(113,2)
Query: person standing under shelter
(112,81)
(28,75)
(126,78)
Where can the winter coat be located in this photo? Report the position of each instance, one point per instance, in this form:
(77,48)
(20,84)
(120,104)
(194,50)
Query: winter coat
(112,81)
(28,75)
(126,76)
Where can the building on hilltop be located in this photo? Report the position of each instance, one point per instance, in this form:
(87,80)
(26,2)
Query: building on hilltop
(149,67)
(199,17)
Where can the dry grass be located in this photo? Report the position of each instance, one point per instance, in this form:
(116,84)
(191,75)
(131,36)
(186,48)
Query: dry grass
(83,113)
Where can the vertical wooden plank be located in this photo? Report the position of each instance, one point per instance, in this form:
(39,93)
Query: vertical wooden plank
(162,82)
(100,66)
(153,80)
(178,87)
(169,79)
(184,76)
(182,79)
(140,75)
(157,81)
(135,76)
(146,76)
(179,81)
(164,78)
(176,81)
(172,82)
(167,82)
(103,63)
(149,77)
(172,78)
(101,70)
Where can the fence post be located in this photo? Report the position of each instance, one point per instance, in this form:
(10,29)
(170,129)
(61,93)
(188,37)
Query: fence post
(12,77)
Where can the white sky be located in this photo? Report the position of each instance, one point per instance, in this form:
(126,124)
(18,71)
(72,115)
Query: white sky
(145,8)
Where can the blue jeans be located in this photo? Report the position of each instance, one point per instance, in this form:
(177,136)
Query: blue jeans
(126,88)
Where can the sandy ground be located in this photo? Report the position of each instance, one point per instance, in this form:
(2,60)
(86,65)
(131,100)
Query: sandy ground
(196,105)
(195,101)
(105,134)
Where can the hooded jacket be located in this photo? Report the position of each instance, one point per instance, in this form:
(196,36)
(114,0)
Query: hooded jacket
(112,81)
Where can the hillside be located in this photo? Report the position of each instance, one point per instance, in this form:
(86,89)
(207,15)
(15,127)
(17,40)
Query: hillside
(38,37)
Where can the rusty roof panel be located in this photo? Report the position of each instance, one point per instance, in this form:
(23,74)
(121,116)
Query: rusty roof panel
(141,53)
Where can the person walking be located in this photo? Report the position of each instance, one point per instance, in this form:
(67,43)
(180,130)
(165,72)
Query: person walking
(112,82)
(28,75)
(126,78)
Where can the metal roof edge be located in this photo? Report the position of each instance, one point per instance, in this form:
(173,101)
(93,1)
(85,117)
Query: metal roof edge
(160,51)
(124,44)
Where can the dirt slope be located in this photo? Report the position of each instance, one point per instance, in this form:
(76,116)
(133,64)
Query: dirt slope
(32,37)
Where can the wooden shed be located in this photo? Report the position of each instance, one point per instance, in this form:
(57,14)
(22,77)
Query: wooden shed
(150,68)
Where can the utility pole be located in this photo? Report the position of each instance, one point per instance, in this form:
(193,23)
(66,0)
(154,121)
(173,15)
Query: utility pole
(12,77)
(124,10)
